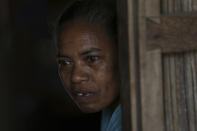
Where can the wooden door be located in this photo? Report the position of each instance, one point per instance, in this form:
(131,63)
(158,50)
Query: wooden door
(158,39)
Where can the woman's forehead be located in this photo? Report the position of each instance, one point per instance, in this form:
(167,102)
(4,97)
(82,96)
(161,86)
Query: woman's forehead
(83,34)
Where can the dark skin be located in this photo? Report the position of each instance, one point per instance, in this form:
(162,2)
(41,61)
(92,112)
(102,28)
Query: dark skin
(88,65)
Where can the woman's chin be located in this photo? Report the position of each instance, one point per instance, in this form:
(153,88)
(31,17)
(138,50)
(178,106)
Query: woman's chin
(89,109)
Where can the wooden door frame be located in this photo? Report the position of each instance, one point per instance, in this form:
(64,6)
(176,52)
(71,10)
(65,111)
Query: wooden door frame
(138,91)
(129,64)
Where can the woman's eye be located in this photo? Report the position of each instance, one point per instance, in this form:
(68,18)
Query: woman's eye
(64,62)
(92,58)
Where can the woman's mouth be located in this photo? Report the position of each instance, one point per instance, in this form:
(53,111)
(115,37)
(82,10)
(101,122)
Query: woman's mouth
(85,94)
(84,97)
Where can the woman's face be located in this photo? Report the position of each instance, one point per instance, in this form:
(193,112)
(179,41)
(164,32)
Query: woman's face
(88,65)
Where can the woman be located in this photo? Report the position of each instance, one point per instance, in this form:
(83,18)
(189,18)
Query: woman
(86,39)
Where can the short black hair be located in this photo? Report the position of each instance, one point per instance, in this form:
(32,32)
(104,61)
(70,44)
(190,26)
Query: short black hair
(93,11)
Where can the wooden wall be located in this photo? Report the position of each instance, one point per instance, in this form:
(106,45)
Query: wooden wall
(160,37)
(179,70)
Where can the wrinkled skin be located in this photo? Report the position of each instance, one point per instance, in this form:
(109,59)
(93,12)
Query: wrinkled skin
(88,66)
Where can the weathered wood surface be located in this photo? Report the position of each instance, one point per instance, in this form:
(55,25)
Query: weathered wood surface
(172,34)
(152,8)
(167,96)
(190,85)
(162,98)
(152,92)
(150,71)
(179,87)
(134,66)
(179,71)
(126,91)
(194,5)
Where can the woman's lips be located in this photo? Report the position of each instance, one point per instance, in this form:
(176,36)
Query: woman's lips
(85,94)
(84,97)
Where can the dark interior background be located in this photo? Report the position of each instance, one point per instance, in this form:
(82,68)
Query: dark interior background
(32,97)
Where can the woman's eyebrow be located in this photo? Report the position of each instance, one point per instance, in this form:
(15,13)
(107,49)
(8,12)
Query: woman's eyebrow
(90,50)
(62,56)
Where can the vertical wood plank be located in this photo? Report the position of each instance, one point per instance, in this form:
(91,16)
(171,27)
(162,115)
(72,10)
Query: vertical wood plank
(164,8)
(189,85)
(152,93)
(171,6)
(173,92)
(181,94)
(181,79)
(168,95)
(185,5)
(151,72)
(177,5)
(190,8)
(126,91)
(195,86)
(150,11)
(194,5)
(134,70)
(194,75)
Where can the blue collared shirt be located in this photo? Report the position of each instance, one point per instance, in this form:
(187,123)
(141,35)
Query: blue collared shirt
(111,121)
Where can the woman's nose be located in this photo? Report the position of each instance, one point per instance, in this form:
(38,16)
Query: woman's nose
(79,74)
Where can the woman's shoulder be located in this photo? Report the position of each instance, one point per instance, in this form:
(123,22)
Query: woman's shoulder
(114,123)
